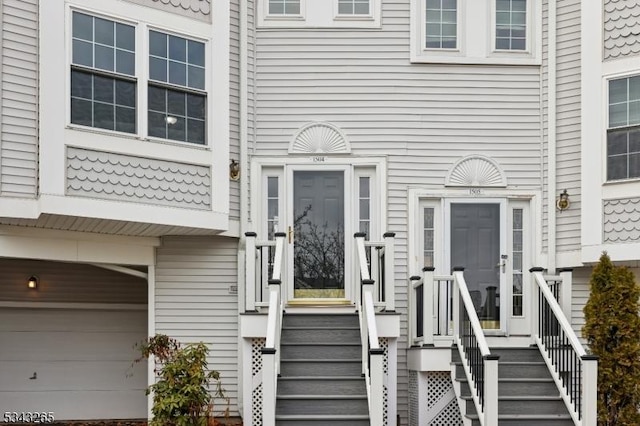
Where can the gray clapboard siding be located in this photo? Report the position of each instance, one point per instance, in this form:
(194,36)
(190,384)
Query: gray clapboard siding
(193,302)
(197,9)
(234,107)
(580,296)
(68,283)
(421,117)
(621,28)
(568,125)
(19,131)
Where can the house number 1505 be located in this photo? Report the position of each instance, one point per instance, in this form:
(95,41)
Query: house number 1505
(475,191)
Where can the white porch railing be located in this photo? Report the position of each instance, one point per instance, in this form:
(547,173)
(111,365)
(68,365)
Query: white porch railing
(480,366)
(372,353)
(271,350)
(430,308)
(575,372)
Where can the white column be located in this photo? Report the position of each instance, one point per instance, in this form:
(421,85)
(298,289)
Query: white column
(427,305)
(250,271)
(389,271)
(566,291)
(589,390)
(491,389)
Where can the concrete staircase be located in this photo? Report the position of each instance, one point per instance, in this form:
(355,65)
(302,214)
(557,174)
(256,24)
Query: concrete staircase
(527,395)
(320,379)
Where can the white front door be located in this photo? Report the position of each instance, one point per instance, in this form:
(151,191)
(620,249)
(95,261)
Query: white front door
(318,232)
(477,243)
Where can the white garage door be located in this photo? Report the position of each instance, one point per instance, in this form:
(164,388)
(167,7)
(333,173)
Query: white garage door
(73,362)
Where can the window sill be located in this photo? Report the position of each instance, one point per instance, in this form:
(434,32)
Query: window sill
(455,57)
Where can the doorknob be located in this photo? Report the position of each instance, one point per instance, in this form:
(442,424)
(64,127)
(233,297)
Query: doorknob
(503,262)
(290,234)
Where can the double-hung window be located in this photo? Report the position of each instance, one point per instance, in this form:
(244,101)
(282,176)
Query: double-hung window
(623,135)
(441,24)
(353,7)
(176,95)
(511,24)
(105,81)
(284,7)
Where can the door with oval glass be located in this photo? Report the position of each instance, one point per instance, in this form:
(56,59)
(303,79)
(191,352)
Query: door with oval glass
(477,244)
(317,233)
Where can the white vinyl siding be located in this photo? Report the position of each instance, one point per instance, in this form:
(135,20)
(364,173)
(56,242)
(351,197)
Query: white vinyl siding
(234,108)
(19,142)
(568,136)
(423,118)
(195,301)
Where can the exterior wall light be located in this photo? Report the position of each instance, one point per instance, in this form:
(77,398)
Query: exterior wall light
(32,283)
(563,202)
(234,170)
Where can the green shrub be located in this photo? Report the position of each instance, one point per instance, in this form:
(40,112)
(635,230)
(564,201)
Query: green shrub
(612,329)
(181,394)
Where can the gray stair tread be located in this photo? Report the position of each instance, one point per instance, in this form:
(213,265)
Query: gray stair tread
(526,416)
(322,396)
(320,378)
(322,417)
(320,344)
(321,360)
(319,327)
(522,398)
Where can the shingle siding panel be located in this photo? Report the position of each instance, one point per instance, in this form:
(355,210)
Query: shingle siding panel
(197,9)
(621,28)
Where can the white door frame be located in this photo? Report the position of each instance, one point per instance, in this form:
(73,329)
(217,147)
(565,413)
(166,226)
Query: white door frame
(502,203)
(348,227)
(278,166)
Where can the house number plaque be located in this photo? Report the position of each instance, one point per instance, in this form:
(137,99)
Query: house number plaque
(318,159)
(475,191)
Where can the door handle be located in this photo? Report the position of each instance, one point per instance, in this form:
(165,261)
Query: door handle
(290,234)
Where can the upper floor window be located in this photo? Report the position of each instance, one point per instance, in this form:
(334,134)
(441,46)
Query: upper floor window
(623,135)
(441,24)
(494,32)
(284,7)
(511,24)
(353,7)
(105,81)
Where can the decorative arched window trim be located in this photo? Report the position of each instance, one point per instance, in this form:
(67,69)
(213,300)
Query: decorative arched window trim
(319,138)
(476,171)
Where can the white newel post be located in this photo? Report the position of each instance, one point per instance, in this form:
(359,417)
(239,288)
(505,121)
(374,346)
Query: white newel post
(427,304)
(250,271)
(565,292)
(491,389)
(535,303)
(376,409)
(389,271)
(413,309)
(590,390)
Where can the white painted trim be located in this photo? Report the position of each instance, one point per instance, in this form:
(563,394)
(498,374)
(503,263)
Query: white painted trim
(520,325)
(151,325)
(79,306)
(592,126)
(318,14)
(552,140)
(476,29)
(63,246)
(122,270)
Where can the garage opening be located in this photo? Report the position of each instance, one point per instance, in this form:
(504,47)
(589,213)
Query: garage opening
(68,345)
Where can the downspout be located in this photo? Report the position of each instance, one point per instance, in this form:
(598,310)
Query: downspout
(551,141)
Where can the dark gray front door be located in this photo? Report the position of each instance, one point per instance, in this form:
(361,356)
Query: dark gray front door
(475,245)
(319,226)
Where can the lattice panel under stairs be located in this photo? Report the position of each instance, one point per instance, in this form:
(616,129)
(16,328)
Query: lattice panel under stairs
(442,406)
(256,376)
(432,400)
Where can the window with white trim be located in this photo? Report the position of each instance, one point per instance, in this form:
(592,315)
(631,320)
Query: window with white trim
(441,24)
(503,32)
(105,81)
(284,7)
(319,14)
(623,134)
(103,74)
(353,7)
(517,252)
(428,229)
(511,24)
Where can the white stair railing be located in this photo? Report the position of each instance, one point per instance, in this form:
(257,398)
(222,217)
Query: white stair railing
(480,366)
(430,307)
(259,264)
(271,350)
(575,372)
(372,353)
